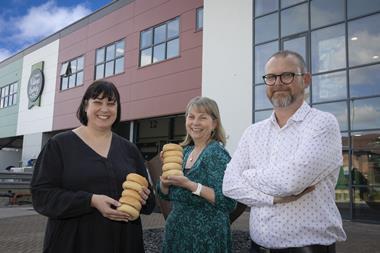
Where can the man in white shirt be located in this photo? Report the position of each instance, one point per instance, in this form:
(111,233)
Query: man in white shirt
(286,167)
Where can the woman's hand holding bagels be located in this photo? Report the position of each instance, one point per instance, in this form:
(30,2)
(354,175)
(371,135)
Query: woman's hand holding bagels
(105,204)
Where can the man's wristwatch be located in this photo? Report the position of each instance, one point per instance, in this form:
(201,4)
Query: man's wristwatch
(198,190)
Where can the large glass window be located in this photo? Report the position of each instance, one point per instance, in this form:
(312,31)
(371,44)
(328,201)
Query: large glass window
(294,20)
(286,3)
(366,175)
(297,45)
(365,114)
(261,115)
(8,95)
(159,43)
(357,8)
(261,99)
(365,81)
(329,87)
(265,6)
(325,12)
(262,54)
(109,60)
(72,73)
(328,50)
(266,28)
(339,109)
(364,40)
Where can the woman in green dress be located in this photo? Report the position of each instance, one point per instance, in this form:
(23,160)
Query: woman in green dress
(199,220)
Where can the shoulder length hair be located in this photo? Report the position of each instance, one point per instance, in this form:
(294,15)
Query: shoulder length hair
(102,88)
(209,106)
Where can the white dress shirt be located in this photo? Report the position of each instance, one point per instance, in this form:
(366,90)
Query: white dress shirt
(272,161)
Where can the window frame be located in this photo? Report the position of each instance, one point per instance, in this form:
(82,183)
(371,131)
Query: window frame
(9,96)
(197,13)
(67,73)
(112,60)
(154,44)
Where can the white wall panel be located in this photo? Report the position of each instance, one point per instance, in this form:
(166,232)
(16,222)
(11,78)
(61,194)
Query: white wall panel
(227,63)
(38,118)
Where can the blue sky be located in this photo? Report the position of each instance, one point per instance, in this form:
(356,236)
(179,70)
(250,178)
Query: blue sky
(25,22)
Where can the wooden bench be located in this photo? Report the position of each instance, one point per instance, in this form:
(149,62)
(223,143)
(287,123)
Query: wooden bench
(15,185)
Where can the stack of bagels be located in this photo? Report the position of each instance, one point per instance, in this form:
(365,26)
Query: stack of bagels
(131,199)
(172,160)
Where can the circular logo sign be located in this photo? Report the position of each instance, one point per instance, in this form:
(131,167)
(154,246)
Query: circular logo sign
(35,85)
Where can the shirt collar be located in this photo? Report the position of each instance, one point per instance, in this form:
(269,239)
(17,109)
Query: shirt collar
(299,115)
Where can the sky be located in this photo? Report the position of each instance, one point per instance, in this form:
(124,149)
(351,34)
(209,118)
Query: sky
(26,22)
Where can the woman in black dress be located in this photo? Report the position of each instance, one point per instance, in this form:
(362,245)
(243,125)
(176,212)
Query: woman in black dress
(78,178)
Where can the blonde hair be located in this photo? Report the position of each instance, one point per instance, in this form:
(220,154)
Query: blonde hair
(209,106)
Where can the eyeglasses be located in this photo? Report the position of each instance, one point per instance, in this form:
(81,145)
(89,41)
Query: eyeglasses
(285,78)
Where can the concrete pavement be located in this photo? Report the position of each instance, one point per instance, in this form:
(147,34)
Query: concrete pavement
(22,231)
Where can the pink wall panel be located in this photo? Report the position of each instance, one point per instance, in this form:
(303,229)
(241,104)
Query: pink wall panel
(159,89)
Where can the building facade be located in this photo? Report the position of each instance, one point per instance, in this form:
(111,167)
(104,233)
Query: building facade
(160,54)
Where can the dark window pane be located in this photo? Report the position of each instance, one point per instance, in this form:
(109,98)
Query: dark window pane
(261,115)
(173,48)
(366,175)
(159,53)
(364,40)
(199,18)
(325,12)
(329,87)
(14,99)
(99,71)
(365,113)
(73,66)
(119,65)
(6,101)
(79,78)
(328,49)
(80,63)
(146,38)
(110,52)
(15,87)
(266,28)
(100,55)
(357,8)
(6,90)
(365,81)
(262,54)
(294,20)
(64,83)
(297,45)
(261,99)
(120,48)
(109,68)
(159,34)
(265,6)
(173,28)
(146,57)
(339,110)
(286,3)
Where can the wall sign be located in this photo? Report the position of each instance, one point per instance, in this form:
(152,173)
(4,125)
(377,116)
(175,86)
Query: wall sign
(35,87)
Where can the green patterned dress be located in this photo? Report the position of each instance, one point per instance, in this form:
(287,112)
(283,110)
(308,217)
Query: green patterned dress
(194,224)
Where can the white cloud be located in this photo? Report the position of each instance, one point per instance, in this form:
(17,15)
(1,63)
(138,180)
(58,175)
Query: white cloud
(4,54)
(44,20)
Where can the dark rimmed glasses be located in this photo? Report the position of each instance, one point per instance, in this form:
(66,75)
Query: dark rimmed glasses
(285,78)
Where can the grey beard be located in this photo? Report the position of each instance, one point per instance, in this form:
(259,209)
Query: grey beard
(282,102)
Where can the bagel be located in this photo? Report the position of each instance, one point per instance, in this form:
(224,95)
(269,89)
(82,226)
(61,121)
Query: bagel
(133,213)
(171,166)
(172,146)
(132,185)
(173,159)
(132,202)
(172,153)
(138,179)
(131,194)
(172,173)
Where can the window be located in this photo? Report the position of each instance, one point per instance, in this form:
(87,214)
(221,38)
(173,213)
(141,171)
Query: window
(159,43)
(109,60)
(72,73)
(8,95)
(200,18)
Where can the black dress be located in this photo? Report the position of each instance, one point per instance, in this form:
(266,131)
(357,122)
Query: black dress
(66,174)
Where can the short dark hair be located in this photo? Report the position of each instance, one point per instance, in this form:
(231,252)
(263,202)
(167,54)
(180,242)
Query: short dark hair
(285,53)
(100,87)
